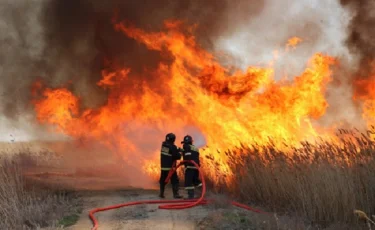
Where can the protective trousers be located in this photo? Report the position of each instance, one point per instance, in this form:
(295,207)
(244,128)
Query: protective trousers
(174,182)
(191,180)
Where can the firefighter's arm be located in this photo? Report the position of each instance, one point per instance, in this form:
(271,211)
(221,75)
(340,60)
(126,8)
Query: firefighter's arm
(176,153)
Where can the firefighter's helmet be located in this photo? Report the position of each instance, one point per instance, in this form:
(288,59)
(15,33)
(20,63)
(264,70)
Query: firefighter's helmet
(170,137)
(187,140)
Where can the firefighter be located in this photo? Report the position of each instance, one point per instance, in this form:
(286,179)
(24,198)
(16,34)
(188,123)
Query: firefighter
(191,152)
(169,154)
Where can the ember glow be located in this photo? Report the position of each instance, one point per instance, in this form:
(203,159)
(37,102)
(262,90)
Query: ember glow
(229,107)
(292,42)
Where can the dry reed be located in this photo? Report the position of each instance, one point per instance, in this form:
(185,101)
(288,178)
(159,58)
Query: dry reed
(322,183)
(27,207)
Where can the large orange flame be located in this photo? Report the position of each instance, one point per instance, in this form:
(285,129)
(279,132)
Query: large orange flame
(229,107)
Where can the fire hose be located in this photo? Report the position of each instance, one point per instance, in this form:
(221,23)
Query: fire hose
(171,204)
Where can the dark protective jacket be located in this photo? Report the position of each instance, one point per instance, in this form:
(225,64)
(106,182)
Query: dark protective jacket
(168,155)
(190,152)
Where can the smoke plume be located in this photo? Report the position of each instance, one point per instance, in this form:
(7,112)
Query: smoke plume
(69,43)
(361,32)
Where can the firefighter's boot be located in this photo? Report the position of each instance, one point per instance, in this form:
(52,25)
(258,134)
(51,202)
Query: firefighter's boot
(176,195)
(190,193)
(161,194)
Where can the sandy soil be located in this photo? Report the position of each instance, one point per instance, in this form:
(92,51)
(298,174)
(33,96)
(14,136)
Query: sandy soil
(137,217)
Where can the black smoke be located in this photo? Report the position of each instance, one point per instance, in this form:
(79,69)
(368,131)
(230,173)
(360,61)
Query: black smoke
(361,33)
(62,41)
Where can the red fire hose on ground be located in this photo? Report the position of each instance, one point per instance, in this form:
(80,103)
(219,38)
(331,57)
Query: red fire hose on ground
(170,204)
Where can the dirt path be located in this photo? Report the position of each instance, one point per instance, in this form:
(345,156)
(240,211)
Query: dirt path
(103,191)
(137,217)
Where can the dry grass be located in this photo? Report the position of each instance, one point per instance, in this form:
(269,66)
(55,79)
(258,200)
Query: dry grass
(322,183)
(27,207)
(229,219)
